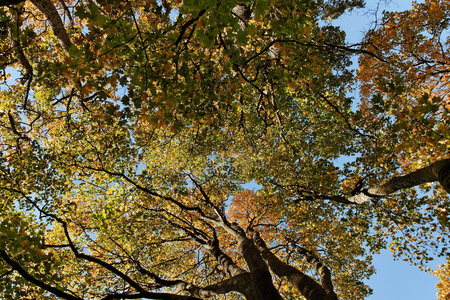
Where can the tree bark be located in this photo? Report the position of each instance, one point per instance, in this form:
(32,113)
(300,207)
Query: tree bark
(437,171)
(49,10)
(230,268)
(237,283)
(242,12)
(324,272)
(308,287)
(261,280)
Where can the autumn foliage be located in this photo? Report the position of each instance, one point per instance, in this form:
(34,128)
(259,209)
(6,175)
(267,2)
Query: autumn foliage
(194,149)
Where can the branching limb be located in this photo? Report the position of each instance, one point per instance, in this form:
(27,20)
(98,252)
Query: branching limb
(187,25)
(235,283)
(149,295)
(95,260)
(147,190)
(437,171)
(17,46)
(224,260)
(259,284)
(80,255)
(30,278)
(323,271)
(308,287)
(222,287)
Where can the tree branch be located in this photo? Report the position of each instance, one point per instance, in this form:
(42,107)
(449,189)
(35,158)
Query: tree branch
(49,10)
(437,171)
(324,272)
(224,260)
(308,287)
(27,276)
(15,41)
(149,295)
(107,266)
(187,25)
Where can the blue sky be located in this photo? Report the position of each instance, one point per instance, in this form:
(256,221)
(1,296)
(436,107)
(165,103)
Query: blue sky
(393,279)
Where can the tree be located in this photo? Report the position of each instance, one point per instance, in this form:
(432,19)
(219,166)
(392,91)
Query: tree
(134,125)
(404,77)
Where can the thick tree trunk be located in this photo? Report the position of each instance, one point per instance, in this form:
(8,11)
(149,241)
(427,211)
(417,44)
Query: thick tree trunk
(307,286)
(437,171)
(261,287)
(258,285)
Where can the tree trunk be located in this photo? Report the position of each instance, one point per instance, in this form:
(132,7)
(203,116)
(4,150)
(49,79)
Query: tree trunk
(307,286)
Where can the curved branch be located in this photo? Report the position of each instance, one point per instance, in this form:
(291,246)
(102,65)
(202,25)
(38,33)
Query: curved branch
(437,171)
(187,25)
(260,284)
(146,190)
(15,41)
(224,260)
(237,283)
(30,278)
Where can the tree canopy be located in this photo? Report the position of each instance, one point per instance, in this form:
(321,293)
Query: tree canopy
(131,130)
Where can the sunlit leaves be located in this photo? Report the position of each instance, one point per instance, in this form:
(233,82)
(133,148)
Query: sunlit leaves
(131,146)
(443,273)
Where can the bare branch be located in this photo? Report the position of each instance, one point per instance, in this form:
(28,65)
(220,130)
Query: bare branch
(187,25)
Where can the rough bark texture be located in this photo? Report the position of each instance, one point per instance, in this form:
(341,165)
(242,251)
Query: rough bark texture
(49,10)
(243,12)
(261,280)
(324,272)
(229,267)
(307,286)
(437,171)
(257,284)
(237,283)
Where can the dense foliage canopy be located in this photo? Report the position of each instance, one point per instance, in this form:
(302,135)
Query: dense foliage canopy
(190,149)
